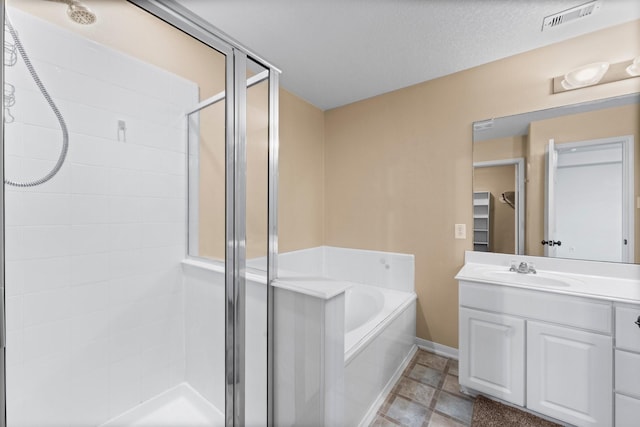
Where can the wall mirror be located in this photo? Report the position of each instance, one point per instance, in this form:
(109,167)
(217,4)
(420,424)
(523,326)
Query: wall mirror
(562,182)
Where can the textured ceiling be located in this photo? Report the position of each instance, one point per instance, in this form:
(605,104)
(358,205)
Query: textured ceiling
(334,52)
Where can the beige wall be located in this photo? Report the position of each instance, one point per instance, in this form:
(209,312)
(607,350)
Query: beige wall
(502,225)
(301,176)
(510,147)
(258,170)
(399,166)
(301,183)
(212,176)
(612,122)
(211,199)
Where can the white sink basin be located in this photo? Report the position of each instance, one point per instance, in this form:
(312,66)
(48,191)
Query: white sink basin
(539,279)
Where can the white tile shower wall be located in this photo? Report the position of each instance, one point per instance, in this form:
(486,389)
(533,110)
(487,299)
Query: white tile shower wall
(205,336)
(383,269)
(95,314)
(205,332)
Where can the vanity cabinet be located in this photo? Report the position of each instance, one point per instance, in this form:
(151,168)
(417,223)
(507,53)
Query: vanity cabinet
(554,349)
(627,365)
(569,374)
(494,347)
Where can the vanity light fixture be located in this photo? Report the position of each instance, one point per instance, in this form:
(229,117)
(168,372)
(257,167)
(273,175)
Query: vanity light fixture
(597,73)
(586,75)
(634,69)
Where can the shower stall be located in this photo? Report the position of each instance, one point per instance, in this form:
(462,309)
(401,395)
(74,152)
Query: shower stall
(139,156)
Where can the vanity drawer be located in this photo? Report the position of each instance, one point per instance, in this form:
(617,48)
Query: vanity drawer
(627,331)
(628,373)
(627,410)
(551,307)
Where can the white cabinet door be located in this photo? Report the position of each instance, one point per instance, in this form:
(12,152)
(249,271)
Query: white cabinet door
(569,374)
(492,354)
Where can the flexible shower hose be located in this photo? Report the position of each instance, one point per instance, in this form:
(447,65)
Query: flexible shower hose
(47,97)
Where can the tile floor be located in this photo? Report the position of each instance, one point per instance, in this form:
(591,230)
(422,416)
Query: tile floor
(427,395)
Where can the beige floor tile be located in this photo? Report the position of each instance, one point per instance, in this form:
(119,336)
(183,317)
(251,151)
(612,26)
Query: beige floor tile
(385,406)
(426,375)
(454,406)
(431,360)
(453,367)
(418,392)
(452,386)
(407,413)
(438,420)
(380,421)
(426,396)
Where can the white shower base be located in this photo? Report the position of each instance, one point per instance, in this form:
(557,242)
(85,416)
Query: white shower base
(179,406)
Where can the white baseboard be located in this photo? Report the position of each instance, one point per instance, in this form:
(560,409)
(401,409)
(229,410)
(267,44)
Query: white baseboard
(439,349)
(373,410)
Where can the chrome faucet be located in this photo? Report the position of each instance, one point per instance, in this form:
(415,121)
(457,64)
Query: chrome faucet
(523,268)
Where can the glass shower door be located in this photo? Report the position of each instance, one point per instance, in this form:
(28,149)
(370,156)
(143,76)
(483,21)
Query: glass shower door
(136,275)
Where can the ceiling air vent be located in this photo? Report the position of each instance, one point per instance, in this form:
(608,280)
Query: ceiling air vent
(572,14)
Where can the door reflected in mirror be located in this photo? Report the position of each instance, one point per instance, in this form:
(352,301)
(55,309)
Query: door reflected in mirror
(561,182)
(589,200)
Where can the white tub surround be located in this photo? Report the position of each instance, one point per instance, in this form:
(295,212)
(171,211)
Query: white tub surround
(545,341)
(374,268)
(368,309)
(325,373)
(372,370)
(340,331)
(309,355)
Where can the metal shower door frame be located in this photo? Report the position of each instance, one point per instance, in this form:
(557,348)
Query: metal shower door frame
(3,367)
(235,262)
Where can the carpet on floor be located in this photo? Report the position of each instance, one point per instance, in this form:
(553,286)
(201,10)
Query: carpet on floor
(488,413)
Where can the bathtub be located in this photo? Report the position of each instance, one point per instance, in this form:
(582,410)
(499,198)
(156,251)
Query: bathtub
(377,328)
(378,343)
(368,310)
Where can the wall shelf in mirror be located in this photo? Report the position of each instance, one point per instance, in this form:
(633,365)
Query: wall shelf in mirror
(481,221)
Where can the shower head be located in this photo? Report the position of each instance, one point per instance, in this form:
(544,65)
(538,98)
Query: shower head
(80,13)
